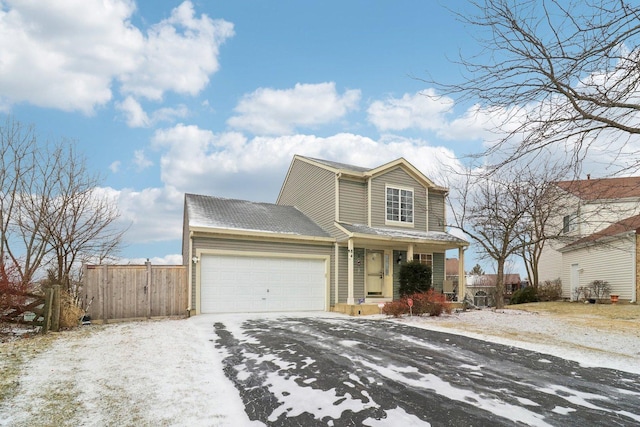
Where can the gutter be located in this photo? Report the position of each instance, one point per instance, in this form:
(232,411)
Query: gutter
(190,273)
(265,234)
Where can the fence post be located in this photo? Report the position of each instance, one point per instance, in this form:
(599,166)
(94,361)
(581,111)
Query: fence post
(148,288)
(48,300)
(55,309)
(103,292)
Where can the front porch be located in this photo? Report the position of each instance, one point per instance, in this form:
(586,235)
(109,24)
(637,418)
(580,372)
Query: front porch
(369,261)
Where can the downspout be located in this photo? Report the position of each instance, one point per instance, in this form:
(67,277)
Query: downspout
(190,273)
(350,298)
(636,265)
(369,202)
(336,275)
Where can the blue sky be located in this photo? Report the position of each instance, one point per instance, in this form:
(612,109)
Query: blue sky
(215,97)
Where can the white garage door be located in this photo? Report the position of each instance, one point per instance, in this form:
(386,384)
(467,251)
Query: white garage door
(234,284)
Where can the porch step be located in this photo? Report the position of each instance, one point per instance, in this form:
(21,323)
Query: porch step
(368,309)
(356,309)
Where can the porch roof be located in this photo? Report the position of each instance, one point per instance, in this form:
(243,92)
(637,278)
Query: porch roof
(402,236)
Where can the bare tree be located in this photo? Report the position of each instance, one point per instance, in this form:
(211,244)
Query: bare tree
(555,73)
(544,200)
(492,211)
(79,222)
(50,206)
(26,186)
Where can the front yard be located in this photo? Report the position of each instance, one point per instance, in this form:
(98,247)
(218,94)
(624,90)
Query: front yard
(169,372)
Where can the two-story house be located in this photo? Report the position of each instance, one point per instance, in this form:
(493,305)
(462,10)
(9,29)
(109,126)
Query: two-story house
(595,236)
(334,240)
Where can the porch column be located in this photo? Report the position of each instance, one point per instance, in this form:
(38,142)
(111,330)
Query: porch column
(350,299)
(410,252)
(462,280)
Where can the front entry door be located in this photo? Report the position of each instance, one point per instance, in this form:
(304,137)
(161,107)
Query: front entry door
(375,273)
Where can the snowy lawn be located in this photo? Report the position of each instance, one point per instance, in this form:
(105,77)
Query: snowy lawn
(169,372)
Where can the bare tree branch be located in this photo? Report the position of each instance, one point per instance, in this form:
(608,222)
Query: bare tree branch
(555,72)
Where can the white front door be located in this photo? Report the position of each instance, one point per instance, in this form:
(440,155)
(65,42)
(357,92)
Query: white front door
(375,273)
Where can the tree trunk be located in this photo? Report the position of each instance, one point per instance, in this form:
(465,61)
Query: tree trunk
(499,298)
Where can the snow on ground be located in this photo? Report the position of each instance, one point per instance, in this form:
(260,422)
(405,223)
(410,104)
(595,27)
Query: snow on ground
(169,372)
(151,373)
(589,345)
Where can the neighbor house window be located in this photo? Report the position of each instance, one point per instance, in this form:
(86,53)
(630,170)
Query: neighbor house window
(399,205)
(426,259)
(569,223)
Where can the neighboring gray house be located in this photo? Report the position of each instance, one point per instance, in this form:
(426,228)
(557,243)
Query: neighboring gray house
(332,241)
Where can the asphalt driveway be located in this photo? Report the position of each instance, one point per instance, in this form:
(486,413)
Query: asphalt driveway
(350,372)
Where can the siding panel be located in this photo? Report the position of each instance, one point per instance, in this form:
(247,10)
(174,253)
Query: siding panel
(353,201)
(438,271)
(437,218)
(397,177)
(318,203)
(614,262)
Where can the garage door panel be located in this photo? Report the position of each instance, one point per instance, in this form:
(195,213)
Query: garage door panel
(259,284)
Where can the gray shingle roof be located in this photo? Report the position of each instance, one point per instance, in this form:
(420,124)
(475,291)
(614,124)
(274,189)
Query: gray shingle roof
(338,165)
(232,214)
(434,236)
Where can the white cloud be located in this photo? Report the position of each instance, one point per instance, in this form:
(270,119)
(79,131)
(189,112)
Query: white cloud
(272,111)
(179,55)
(115,166)
(231,165)
(171,259)
(141,161)
(149,215)
(135,116)
(68,55)
(423,110)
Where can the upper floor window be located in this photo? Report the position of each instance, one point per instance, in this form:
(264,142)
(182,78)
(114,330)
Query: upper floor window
(399,205)
(569,223)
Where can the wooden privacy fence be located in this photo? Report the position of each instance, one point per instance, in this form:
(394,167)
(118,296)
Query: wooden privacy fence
(116,292)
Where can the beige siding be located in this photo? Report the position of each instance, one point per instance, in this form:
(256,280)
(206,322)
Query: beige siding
(400,178)
(353,201)
(614,262)
(437,271)
(312,190)
(436,209)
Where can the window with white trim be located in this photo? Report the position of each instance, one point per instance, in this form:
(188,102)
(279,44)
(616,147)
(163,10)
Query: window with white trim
(569,223)
(426,259)
(400,205)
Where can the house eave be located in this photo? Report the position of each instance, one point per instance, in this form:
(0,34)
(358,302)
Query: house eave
(397,239)
(598,242)
(253,234)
